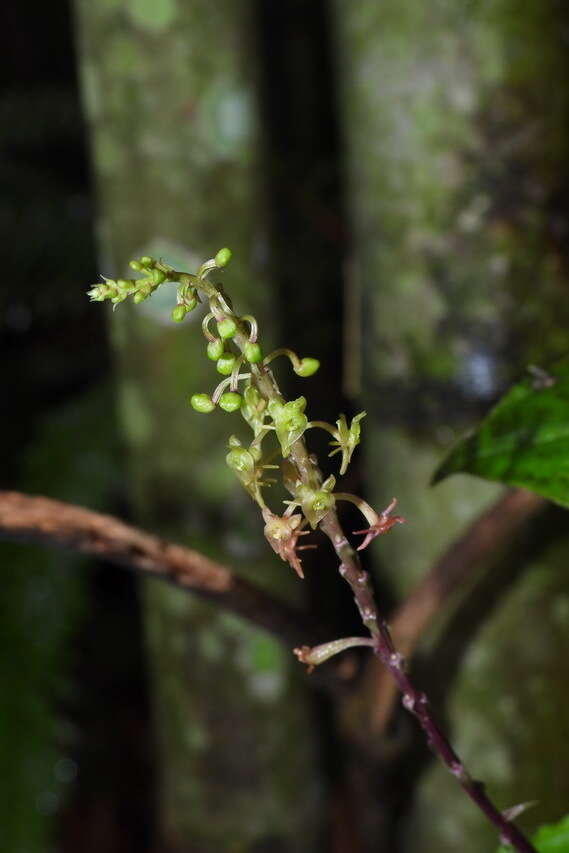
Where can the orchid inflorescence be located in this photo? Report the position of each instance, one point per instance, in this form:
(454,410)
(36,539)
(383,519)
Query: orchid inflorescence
(249,387)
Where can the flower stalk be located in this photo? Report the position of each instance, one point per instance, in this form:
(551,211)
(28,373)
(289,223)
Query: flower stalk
(268,413)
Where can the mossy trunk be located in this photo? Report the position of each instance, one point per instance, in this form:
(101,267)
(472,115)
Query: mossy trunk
(170,93)
(455,120)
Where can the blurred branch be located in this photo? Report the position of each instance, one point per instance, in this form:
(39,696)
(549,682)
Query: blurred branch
(491,532)
(443,661)
(48,522)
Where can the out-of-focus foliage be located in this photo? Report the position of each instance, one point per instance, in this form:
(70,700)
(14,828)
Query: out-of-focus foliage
(524,441)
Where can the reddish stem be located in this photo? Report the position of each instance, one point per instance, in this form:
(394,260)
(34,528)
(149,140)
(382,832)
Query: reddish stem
(415,701)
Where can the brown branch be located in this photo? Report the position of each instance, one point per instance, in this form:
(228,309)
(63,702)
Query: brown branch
(488,534)
(44,521)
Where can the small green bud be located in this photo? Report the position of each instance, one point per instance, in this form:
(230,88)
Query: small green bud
(135,265)
(141,295)
(253,353)
(158,277)
(123,283)
(241,461)
(307,367)
(226,328)
(215,349)
(202,403)
(179,313)
(190,303)
(222,258)
(147,261)
(226,363)
(230,402)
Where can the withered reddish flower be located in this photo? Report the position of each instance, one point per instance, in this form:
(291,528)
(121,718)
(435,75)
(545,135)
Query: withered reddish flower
(282,533)
(383,524)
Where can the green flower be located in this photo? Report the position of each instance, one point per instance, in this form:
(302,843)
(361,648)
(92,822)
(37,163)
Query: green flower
(346,439)
(290,421)
(316,503)
(249,467)
(242,462)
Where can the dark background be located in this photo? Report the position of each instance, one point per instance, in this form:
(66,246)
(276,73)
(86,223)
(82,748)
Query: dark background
(78,740)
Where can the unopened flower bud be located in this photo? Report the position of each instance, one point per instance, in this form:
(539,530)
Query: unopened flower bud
(135,265)
(141,295)
(215,349)
(240,460)
(202,403)
(226,328)
(158,276)
(190,303)
(307,367)
(179,313)
(253,353)
(222,258)
(226,363)
(230,401)
(147,262)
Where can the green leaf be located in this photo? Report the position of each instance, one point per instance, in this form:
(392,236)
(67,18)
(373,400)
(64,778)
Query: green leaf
(524,441)
(550,838)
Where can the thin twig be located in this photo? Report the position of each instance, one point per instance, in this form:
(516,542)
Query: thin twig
(44,521)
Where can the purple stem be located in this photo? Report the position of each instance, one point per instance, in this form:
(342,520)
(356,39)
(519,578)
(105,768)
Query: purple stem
(415,701)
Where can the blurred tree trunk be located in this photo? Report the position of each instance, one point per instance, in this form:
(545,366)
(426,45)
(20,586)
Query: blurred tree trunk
(455,122)
(170,92)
